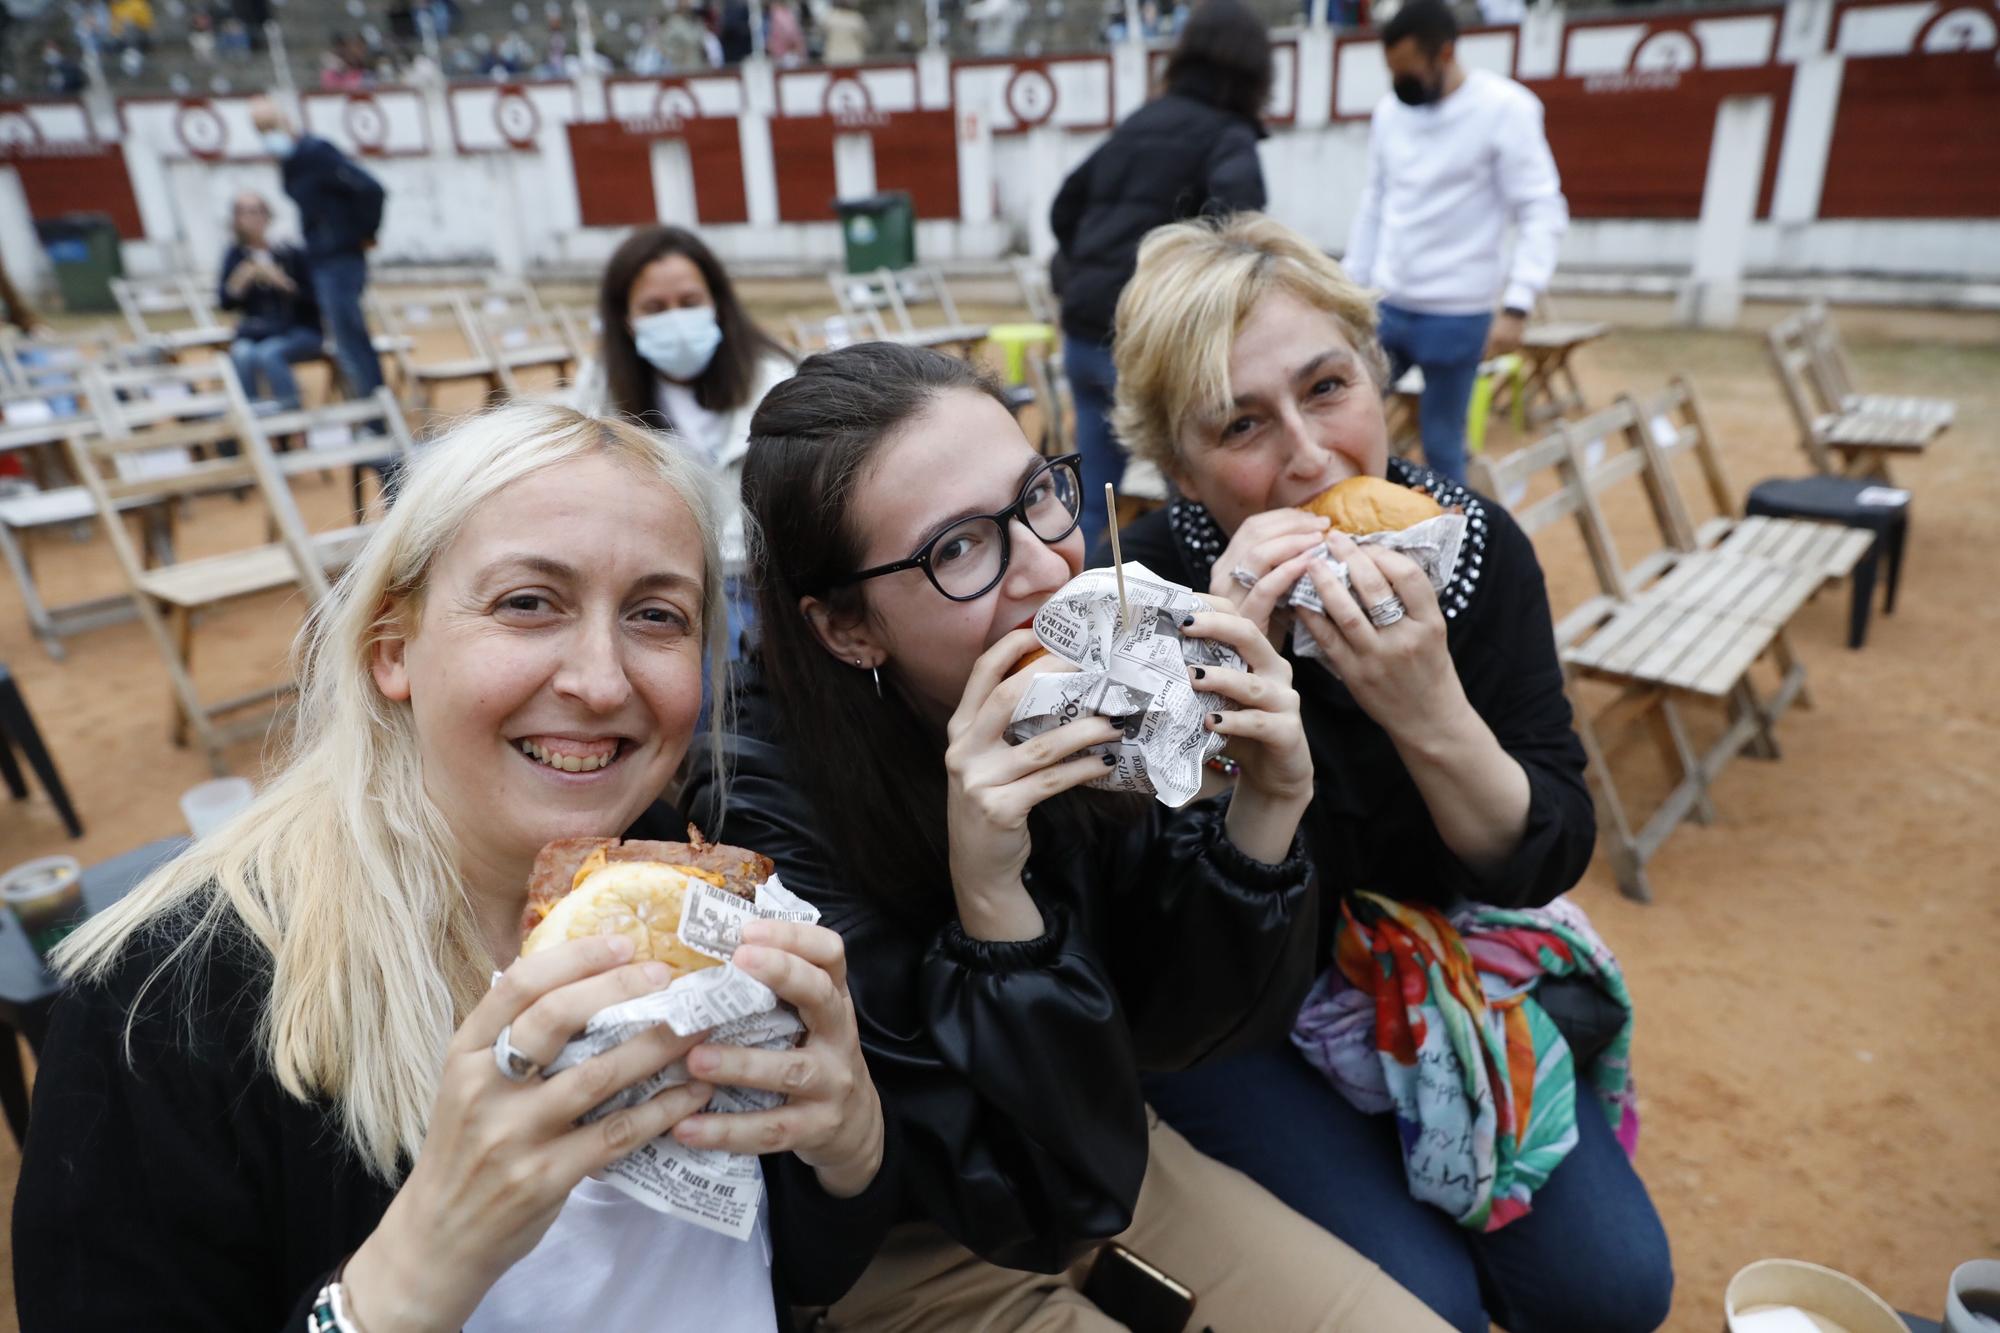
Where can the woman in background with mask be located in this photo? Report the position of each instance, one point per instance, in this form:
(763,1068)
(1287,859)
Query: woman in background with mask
(679,353)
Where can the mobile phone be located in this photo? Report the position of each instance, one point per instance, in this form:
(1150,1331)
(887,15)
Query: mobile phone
(1136,1294)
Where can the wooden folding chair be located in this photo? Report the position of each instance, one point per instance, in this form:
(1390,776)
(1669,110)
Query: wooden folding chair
(1037,292)
(1547,387)
(1850,443)
(406,324)
(154,428)
(1676,424)
(190,322)
(1675,624)
(1832,378)
(37,420)
(514,333)
(899,293)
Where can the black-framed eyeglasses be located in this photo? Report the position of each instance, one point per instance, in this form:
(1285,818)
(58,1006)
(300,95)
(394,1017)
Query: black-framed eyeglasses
(969,558)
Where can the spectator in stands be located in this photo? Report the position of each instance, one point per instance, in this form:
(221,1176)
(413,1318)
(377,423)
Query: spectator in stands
(514,53)
(234,38)
(1455,157)
(733,30)
(340,208)
(281,1088)
(63,75)
(648,58)
(201,36)
(846,34)
(686,43)
(680,353)
(132,23)
(1189,152)
(1445,769)
(270,286)
(784,38)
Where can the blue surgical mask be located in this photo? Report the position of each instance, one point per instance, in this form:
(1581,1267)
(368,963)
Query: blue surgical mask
(278,143)
(678,343)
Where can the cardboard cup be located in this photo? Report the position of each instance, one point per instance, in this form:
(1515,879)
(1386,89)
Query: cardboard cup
(1833,1302)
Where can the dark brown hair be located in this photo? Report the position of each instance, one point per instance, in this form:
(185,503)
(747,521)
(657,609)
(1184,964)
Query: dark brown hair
(730,378)
(1223,58)
(872,768)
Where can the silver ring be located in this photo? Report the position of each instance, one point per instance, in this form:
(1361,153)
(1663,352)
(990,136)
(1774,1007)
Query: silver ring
(1386,612)
(513,1062)
(1243,577)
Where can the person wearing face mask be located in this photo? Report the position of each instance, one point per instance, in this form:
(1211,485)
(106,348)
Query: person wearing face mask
(680,353)
(1455,156)
(1445,767)
(340,210)
(1020,948)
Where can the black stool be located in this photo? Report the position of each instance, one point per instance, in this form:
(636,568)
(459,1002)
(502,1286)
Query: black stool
(1838,500)
(17,728)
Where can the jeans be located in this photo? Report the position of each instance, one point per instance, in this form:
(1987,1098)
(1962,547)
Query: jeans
(338,281)
(1449,349)
(1093,380)
(1590,1258)
(265,364)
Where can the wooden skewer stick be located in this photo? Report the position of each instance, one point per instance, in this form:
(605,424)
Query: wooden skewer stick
(1117,560)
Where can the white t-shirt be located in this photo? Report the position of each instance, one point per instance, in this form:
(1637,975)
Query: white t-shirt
(610,1264)
(704,432)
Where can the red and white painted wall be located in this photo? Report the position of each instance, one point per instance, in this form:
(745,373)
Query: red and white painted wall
(1823,137)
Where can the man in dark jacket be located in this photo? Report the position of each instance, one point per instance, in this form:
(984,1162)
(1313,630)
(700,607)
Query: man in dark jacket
(1191,152)
(340,210)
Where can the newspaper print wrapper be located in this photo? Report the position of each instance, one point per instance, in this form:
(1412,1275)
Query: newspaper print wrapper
(718,1190)
(1434,544)
(1137,671)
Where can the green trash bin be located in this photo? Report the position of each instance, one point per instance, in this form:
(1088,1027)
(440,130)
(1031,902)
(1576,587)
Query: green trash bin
(83,247)
(880,231)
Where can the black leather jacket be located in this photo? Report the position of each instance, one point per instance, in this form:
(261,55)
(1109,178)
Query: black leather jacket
(1012,1069)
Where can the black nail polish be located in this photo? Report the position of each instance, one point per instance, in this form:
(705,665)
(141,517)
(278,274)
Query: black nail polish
(1110,759)
(1215,719)
(1200,674)
(1187,622)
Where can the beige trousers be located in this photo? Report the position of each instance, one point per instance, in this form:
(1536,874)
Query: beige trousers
(1254,1265)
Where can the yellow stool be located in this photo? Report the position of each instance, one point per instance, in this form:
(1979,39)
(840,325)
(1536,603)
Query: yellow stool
(1014,341)
(1499,368)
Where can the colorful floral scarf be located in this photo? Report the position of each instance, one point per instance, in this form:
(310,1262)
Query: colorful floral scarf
(1433,1017)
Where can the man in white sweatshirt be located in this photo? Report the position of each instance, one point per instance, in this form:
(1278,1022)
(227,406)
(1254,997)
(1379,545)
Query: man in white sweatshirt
(1454,157)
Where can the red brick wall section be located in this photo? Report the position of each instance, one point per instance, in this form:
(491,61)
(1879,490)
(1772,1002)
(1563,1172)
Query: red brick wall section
(1636,145)
(1916,136)
(918,151)
(80,179)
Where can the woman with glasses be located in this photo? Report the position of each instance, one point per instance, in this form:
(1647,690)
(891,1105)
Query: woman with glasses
(1019,949)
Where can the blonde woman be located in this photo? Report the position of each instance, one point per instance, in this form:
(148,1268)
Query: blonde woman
(270,1087)
(1444,763)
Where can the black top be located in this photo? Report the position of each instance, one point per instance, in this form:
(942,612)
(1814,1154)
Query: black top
(340,205)
(1368,827)
(267,311)
(186,1190)
(1174,158)
(1012,1069)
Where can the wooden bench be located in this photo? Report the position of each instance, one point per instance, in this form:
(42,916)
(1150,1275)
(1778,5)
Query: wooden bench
(1680,623)
(1548,387)
(1842,441)
(898,291)
(174,415)
(186,304)
(1832,379)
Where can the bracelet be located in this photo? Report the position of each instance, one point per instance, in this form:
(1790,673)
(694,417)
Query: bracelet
(1223,764)
(329,1309)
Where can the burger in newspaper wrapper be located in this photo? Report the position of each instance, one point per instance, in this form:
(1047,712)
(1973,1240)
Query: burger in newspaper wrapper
(1377,512)
(1135,670)
(683,904)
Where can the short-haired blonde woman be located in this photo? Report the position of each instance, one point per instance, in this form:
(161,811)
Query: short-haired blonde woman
(270,1086)
(1444,763)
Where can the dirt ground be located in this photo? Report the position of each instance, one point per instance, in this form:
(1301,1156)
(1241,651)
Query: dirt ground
(1818,1049)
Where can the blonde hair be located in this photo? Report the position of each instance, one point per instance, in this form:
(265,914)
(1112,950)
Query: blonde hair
(342,872)
(1195,284)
